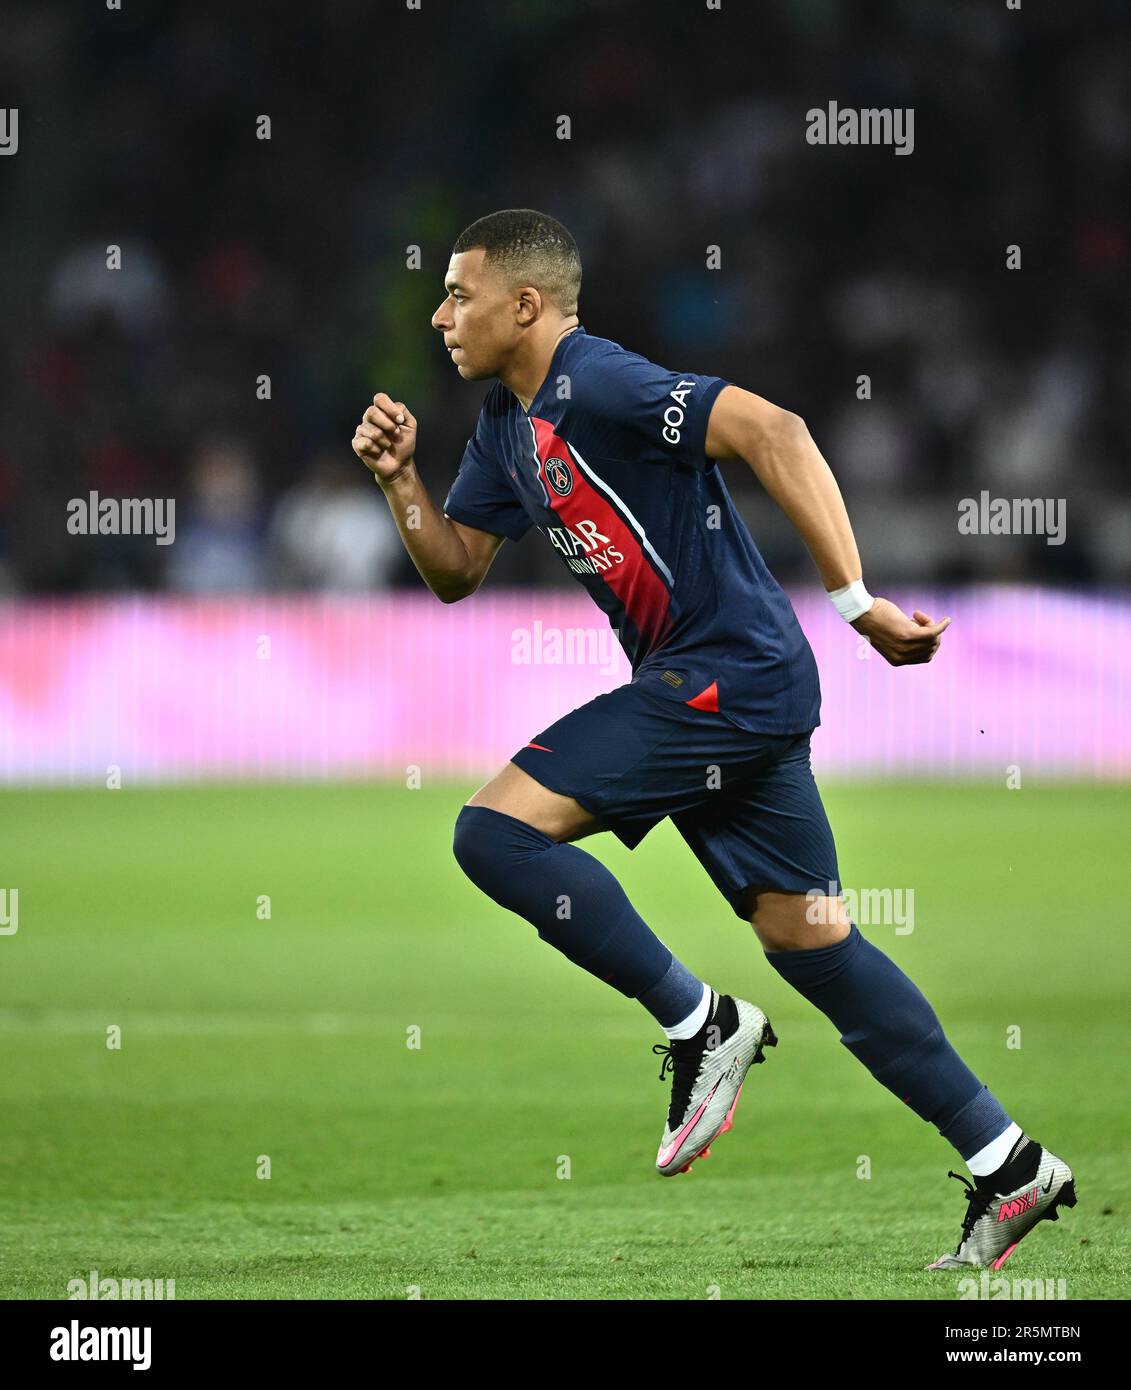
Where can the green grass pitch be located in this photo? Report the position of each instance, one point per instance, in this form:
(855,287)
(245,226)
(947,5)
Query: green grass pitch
(438,1171)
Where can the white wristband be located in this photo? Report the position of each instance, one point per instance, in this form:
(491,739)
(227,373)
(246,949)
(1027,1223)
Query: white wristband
(852,601)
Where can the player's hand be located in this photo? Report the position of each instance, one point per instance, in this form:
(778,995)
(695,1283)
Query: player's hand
(900,640)
(385,441)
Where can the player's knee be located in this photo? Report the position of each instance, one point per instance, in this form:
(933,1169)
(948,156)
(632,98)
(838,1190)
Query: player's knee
(799,938)
(798,921)
(491,846)
(475,842)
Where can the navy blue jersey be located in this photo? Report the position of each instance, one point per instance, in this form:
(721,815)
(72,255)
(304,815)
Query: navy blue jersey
(609,463)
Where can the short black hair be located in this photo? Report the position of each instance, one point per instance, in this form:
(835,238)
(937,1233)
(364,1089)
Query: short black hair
(529,248)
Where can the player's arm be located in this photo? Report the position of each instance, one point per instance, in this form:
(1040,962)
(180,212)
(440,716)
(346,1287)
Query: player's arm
(452,558)
(779,449)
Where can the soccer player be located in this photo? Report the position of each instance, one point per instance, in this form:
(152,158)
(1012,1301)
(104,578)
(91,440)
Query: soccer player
(615,459)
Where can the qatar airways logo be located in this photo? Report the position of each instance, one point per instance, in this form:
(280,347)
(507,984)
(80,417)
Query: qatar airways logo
(584,548)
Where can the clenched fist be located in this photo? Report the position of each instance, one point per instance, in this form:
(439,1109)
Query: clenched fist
(385,441)
(900,640)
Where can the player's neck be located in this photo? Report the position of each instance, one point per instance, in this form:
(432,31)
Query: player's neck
(526,375)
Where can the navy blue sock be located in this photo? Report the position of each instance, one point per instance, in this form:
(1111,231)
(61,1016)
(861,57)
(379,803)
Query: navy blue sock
(577,906)
(889,1026)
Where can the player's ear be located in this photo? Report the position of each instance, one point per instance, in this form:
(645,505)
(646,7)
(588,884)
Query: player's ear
(528,306)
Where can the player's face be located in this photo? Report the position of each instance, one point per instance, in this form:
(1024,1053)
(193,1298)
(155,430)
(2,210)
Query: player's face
(477,318)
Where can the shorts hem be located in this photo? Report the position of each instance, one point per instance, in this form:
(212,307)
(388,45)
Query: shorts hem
(735,896)
(628,833)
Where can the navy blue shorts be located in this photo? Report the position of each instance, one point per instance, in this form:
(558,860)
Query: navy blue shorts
(746,803)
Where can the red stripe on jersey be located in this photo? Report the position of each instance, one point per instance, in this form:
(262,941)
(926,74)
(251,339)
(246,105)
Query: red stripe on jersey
(706,699)
(642,593)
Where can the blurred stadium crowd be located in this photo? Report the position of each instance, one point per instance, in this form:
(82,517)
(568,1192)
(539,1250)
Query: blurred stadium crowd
(286,258)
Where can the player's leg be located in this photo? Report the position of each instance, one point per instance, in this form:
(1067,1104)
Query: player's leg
(515,793)
(884,1019)
(795,921)
(514,840)
(622,762)
(887,1023)
(784,842)
(769,847)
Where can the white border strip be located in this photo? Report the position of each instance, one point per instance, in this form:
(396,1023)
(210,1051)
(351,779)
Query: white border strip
(644,541)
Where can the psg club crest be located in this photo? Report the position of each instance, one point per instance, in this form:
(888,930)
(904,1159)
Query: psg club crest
(558,476)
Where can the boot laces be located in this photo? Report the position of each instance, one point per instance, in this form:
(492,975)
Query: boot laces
(978,1203)
(682,1059)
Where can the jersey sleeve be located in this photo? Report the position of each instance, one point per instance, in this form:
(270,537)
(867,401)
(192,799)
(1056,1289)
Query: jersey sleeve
(638,410)
(480,496)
